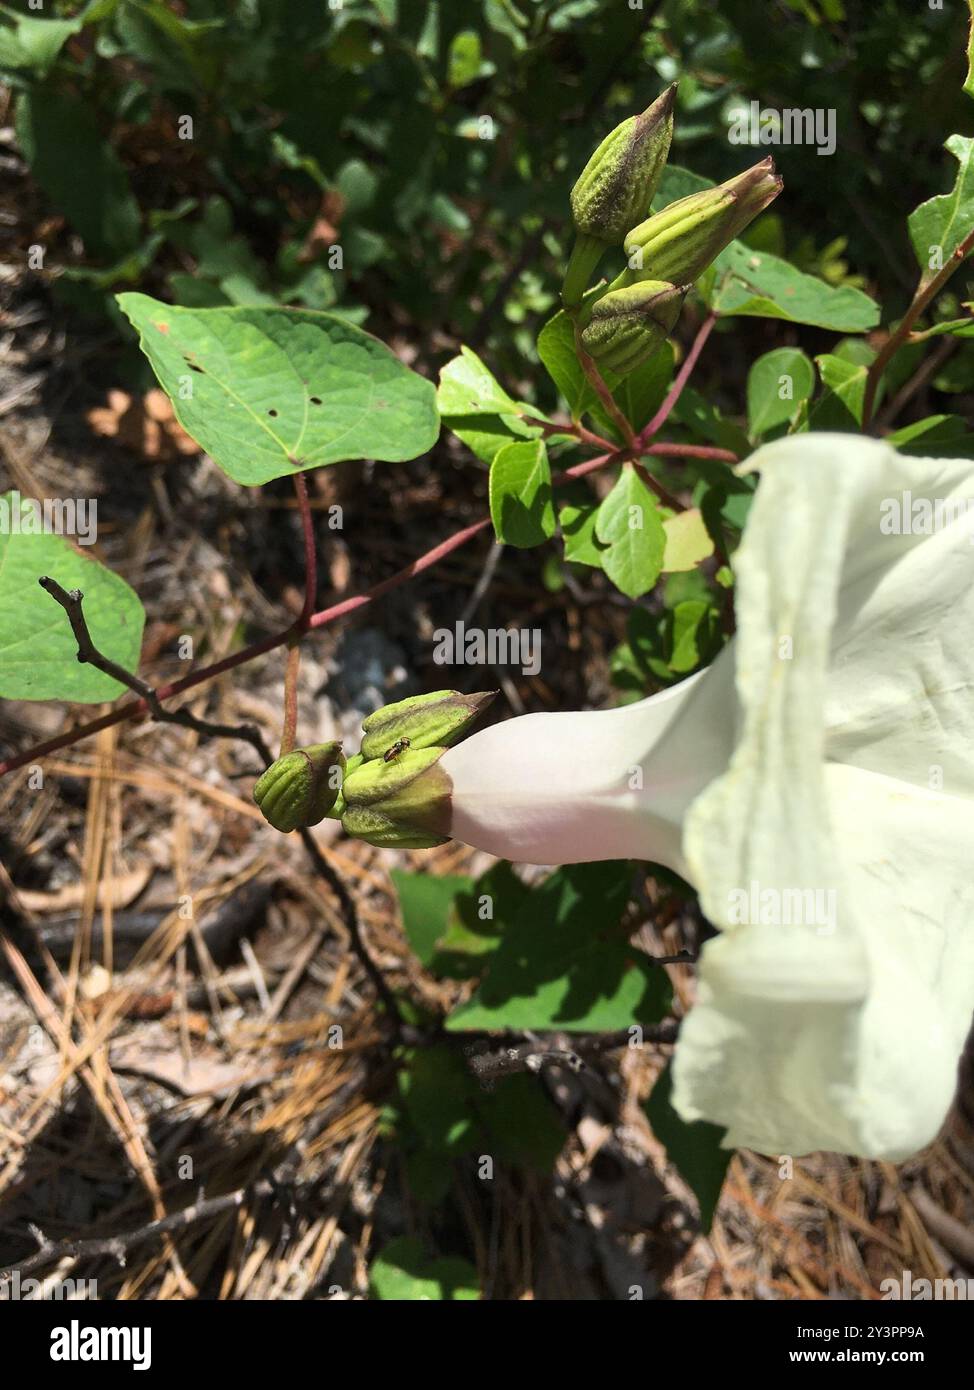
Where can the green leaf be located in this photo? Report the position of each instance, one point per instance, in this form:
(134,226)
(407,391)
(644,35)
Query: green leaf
(777,384)
(463,66)
(687,541)
(562,963)
(467,387)
(758,285)
(842,407)
(78,170)
(691,635)
(425,904)
(693,1149)
(437,1092)
(520,495)
(478,410)
(940,436)
(404,1272)
(267,392)
(961,328)
(941,224)
(522,1126)
(629,523)
(34,43)
(38,653)
(556,348)
(577,522)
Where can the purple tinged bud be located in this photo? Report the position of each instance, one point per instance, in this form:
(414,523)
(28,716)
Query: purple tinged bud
(679,243)
(616,187)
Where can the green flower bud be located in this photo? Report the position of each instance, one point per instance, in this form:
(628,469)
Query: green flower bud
(301,787)
(616,187)
(679,243)
(422,721)
(402,804)
(626,326)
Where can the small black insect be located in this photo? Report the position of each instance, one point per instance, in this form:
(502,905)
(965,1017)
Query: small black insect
(391,754)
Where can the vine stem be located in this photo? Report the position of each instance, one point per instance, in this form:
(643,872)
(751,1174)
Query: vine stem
(680,380)
(141,706)
(310,552)
(293,668)
(602,391)
(289,730)
(922,297)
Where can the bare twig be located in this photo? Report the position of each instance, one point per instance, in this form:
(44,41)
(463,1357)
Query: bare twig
(350,916)
(117,1247)
(487,1066)
(72,600)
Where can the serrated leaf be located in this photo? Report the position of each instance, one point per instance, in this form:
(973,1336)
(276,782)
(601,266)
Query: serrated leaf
(687,541)
(38,653)
(630,525)
(559,965)
(941,224)
(693,1149)
(520,495)
(785,370)
(758,285)
(276,391)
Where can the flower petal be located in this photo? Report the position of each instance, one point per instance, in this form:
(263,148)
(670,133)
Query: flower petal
(841,1033)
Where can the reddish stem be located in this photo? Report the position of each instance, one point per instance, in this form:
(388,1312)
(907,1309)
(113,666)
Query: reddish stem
(690,451)
(135,708)
(681,379)
(310,553)
(922,297)
(656,487)
(289,731)
(594,376)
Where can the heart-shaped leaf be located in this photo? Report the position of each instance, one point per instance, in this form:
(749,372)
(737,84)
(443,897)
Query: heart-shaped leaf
(38,653)
(268,392)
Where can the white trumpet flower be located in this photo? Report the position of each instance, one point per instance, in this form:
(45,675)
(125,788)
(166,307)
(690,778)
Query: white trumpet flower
(816,786)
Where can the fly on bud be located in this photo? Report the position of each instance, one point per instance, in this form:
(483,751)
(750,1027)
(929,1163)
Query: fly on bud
(616,187)
(300,788)
(680,242)
(400,804)
(626,326)
(422,721)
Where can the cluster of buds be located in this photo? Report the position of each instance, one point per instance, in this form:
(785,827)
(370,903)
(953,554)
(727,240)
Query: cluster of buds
(392,793)
(666,253)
